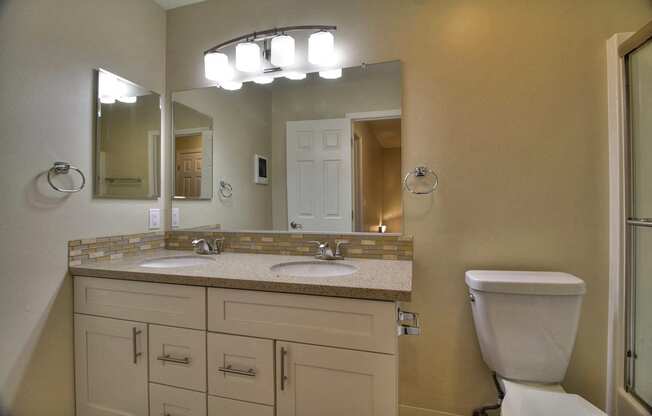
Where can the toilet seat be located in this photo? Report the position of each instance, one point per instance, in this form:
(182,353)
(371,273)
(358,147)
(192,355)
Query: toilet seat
(544,400)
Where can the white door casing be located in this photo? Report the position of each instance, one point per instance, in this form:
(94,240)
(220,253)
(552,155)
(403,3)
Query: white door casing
(319,173)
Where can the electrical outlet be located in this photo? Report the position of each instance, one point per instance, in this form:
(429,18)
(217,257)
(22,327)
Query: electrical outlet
(154,218)
(176,217)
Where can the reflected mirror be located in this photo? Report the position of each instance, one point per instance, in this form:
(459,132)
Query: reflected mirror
(127,139)
(301,155)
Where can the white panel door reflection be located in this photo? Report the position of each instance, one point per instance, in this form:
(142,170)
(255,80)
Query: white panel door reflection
(319,184)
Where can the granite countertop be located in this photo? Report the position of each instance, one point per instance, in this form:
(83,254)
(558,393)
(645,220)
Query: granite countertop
(389,280)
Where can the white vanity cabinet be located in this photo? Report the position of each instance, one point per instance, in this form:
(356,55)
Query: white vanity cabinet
(110,367)
(162,349)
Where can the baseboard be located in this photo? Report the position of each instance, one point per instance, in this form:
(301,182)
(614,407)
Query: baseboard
(405,410)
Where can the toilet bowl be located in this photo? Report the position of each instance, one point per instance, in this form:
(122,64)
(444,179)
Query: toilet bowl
(522,399)
(526,324)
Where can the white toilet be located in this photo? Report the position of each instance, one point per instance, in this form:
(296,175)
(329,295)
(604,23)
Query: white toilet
(526,324)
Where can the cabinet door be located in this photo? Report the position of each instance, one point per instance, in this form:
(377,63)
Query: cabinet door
(110,367)
(323,381)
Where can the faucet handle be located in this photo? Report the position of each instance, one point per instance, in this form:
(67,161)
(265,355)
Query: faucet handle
(338,247)
(218,245)
(320,246)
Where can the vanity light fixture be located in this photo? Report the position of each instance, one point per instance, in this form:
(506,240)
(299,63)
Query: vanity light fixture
(295,76)
(247,57)
(128,100)
(216,67)
(261,56)
(331,73)
(282,51)
(263,80)
(321,48)
(230,85)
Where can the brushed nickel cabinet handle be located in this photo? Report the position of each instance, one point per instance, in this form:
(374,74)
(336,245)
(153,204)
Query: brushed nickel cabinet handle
(228,369)
(170,359)
(284,376)
(134,333)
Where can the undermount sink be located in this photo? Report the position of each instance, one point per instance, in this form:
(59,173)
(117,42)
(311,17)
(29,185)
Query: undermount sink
(178,261)
(313,269)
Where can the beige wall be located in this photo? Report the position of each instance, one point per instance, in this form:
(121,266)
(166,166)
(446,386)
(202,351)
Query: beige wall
(506,100)
(48,51)
(374,89)
(241,128)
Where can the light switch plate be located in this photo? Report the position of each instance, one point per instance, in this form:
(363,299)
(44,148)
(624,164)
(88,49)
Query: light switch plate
(154,218)
(176,220)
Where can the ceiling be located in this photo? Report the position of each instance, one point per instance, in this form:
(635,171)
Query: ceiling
(387,132)
(173,4)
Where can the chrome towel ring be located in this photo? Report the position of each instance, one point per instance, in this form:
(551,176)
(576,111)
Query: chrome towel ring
(62,168)
(421,172)
(225,189)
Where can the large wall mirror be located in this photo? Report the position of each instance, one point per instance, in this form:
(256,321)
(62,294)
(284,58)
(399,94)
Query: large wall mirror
(127,139)
(313,154)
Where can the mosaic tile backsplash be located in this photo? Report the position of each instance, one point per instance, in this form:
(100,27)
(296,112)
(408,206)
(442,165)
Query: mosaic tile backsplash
(113,248)
(367,245)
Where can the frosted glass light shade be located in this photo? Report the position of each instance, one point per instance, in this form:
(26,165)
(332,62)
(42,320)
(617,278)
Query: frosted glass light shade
(321,48)
(331,73)
(247,57)
(230,85)
(216,67)
(107,99)
(295,76)
(282,50)
(263,79)
(128,100)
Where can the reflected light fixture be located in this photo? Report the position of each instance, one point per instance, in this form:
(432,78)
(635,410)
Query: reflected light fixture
(247,57)
(321,48)
(282,51)
(295,76)
(230,85)
(128,99)
(263,80)
(331,73)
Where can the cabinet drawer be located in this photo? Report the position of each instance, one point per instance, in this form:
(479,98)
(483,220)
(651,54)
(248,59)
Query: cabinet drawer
(241,368)
(170,401)
(177,357)
(218,406)
(157,303)
(349,323)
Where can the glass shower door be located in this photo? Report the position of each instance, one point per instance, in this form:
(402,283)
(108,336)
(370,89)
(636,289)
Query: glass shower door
(639,92)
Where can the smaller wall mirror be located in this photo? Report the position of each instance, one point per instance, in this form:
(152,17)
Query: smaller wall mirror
(193,151)
(127,139)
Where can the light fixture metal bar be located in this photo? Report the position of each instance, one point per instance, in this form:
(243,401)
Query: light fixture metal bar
(266,34)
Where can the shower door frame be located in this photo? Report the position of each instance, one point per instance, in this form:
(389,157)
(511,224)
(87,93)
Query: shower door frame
(620,399)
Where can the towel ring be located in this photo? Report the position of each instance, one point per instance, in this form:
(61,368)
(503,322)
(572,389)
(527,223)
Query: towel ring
(420,172)
(226,190)
(61,168)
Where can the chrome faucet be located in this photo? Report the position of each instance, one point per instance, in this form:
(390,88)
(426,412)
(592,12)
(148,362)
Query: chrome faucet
(326,253)
(202,246)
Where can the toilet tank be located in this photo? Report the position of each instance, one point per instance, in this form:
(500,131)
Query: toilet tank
(526,321)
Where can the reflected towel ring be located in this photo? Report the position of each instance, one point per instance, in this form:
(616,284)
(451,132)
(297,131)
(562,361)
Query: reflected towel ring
(226,190)
(61,168)
(420,172)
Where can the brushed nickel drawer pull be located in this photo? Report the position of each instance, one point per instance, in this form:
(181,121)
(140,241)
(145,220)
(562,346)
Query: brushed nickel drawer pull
(284,377)
(228,369)
(134,333)
(170,359)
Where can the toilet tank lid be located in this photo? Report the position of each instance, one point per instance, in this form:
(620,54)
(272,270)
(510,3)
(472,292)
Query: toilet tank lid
(525,283)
